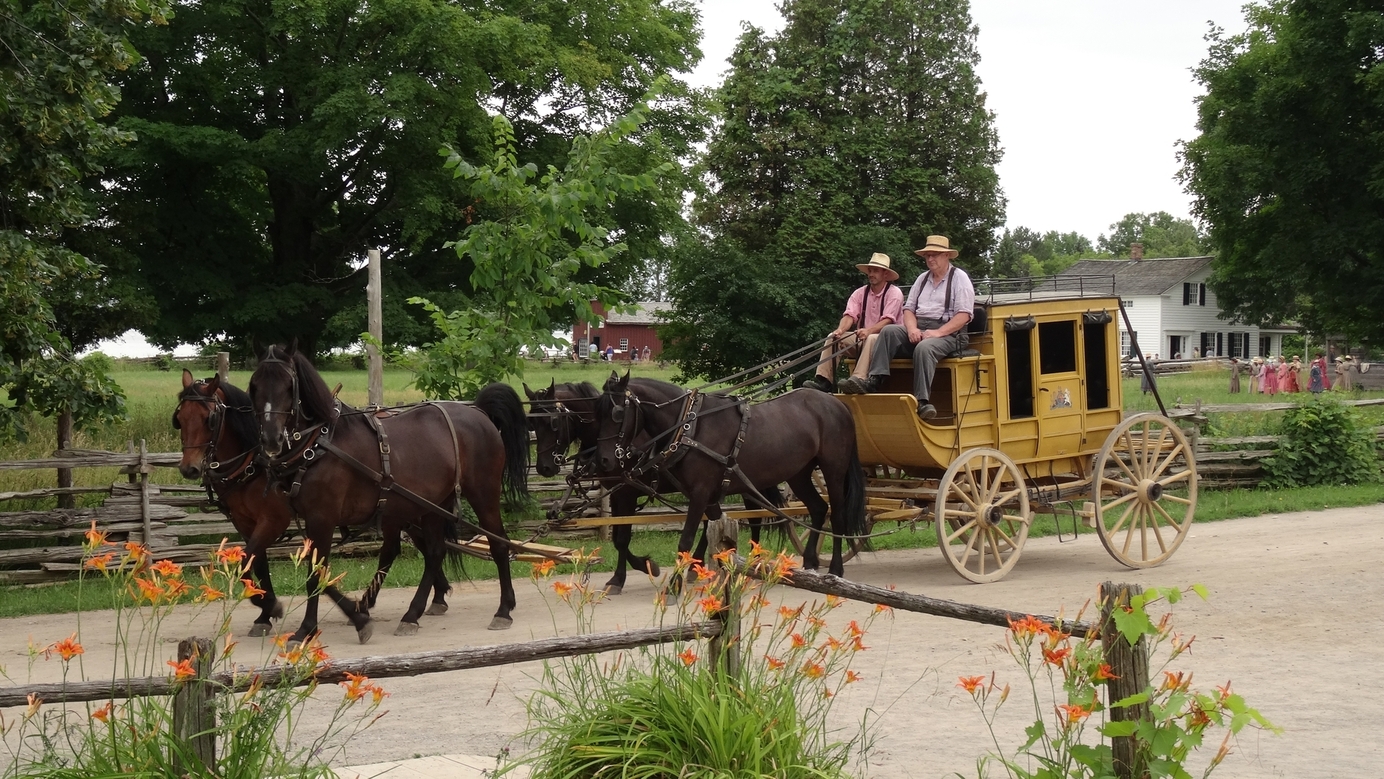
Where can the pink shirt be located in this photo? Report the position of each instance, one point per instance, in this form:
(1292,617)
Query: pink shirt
(892,308)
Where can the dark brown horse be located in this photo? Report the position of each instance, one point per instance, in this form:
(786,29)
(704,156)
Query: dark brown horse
(346,467)
(563,414)
(220,437)
(702,443)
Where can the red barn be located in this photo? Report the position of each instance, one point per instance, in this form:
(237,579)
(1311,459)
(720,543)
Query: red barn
(625,332)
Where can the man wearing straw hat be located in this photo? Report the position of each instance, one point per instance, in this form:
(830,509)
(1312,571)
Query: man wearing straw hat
(868,310)
(934,325)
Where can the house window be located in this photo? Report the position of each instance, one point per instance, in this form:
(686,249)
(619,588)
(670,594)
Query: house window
(1235,342)
(1124,344)
(1201,294)
(1186,293)
(1265,343)
(624,344)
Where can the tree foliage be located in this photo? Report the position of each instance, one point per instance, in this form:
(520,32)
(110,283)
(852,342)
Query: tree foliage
(1162,235)
(860,127)
(528,249)
(1322,442)
(278,141)
(1288,170)
(1025,252)
(56,64)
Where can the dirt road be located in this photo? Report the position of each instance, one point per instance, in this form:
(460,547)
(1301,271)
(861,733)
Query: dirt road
(1291,621)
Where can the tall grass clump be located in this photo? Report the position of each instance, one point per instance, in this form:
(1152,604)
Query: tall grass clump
(674,711)
(258,712)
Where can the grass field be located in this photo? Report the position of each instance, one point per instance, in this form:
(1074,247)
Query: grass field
(152,395)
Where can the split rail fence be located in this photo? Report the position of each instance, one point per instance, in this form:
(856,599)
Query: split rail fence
(194,710)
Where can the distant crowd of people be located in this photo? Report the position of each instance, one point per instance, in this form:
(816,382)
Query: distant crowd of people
(1276,374)
(635,354)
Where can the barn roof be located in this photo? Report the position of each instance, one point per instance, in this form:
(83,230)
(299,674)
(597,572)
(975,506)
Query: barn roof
(1141,277)
(645,313)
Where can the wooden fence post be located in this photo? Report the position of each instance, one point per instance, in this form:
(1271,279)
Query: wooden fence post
(724,651)
(223,366)
(194,708)
(1130,665)
(144,493)
(375,323)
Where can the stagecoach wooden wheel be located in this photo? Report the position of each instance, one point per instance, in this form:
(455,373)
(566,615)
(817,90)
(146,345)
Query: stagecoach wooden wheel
(982,515)
(1145,490)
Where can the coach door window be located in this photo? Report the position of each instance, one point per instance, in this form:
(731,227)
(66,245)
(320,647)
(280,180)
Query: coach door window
(1057,346)
(1094,335)
(1018,346)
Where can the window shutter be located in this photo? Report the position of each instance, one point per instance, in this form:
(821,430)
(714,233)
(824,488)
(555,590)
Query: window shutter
(1186,293)
(1201,294)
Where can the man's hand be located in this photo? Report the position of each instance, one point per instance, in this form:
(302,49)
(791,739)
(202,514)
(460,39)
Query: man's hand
(915,335)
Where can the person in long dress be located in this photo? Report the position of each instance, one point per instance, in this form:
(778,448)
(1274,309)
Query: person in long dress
(1254,369)
(1340,368)
(1271,376)
(1234,376)
(1294,371)
(1314,379)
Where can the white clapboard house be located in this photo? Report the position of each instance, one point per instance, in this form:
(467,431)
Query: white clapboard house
(1174,313)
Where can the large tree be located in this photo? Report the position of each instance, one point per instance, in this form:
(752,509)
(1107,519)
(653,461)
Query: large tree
(1025,252)
(1288,170)
(1161,233)
(278,141)
(860,127)
(57,60)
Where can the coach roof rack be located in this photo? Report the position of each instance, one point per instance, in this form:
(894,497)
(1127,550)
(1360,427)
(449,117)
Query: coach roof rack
(1044,288)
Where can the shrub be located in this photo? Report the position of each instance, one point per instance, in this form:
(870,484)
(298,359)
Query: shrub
(1322,442)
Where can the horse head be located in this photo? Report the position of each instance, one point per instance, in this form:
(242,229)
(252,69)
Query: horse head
(618,412)
(198,418)
(274,398)
(550,428)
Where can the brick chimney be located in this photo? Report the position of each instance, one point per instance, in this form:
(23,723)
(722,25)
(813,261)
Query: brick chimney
(1136,251)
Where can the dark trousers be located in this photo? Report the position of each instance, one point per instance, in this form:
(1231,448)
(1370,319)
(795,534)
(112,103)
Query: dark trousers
(893,342)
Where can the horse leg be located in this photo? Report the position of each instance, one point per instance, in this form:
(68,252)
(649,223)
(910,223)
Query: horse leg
(430,542)
(271,608)
(440,586)
(817,508)
(623,504)
(486,503)
(320,544)
(389,551)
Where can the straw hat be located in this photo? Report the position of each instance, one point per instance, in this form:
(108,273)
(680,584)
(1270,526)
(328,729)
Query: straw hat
(938,243)
(878,260)
(1340,359)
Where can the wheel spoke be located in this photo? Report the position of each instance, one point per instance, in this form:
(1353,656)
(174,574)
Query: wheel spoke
(1152,452)
(1172,523)
(1115,528)
(1120,462)
(999,531)
(970,545)
(1001,500)
(995,548)
(1129,531)
(1172,455)
(1018,520)
(1179,476)
(1176,499)
(962,529)
(1133,454)
(1122,499)
(958,492)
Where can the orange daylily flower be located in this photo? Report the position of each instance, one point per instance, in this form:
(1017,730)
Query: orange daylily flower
(136,550)
(798,641)
(816,622)
(685,559)
(1197,718)
(813,670)
(1056,656)
(1176,681)
(756,551)
(101,562)
(149,589)
(703,573)
(94,537)
(857,646)
(687,656)
(971,683)
(853,629)
(544,568)
(356,686)
(834,600)
(377,694)
(1073,713)
(229,555)
(250,590)
(175,588)
(852,677)
(880,608)
(182,669)
(710,604)
(563,589)
(34,703)
(210,593)
(167,568)
(1224,691)
(103,713)
(831,643)
(775,664)
(1104,672)
(724,556)
(1027,627)
(68,648)
(786,613)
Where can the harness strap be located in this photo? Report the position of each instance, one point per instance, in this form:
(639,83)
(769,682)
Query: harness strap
(456,447)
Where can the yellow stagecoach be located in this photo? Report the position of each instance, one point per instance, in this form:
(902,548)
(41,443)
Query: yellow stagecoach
(1029,416)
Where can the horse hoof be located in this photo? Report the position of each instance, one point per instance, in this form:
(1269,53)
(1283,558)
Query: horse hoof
(258,629)
(364,632)
(436,610)
(406,629)
(614,589)
(278,611)
(653,569)
(501,623)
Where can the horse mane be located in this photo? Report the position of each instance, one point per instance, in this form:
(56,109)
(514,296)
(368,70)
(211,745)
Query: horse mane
(584,390)
(240,415)
(318,402)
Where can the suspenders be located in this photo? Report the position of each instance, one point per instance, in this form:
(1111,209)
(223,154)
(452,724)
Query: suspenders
(866,302)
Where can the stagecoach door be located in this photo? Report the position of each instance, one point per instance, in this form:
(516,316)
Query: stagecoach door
(1061,395)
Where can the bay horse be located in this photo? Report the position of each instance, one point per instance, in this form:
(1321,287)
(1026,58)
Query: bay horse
(348,466)
(703,439)
(220,436)
(563,414)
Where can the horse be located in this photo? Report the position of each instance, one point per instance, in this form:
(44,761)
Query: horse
(410,469)
(220,436)
(703,439)
(561,414)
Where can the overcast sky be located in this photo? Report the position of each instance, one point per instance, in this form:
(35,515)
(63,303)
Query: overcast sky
(1090,98)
